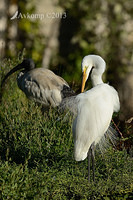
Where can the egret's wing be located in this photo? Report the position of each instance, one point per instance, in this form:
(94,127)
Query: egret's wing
(109,138)
(70,104)
(68,108)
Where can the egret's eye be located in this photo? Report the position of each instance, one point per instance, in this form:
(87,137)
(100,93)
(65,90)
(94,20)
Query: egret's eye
(85,69)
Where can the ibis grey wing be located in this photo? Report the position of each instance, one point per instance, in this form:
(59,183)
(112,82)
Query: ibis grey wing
(43,86)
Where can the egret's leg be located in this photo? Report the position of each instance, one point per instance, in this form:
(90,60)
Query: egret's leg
(93,160)
(91,155)
(89,159)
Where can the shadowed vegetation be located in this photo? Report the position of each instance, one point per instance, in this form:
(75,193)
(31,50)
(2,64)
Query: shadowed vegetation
(37,161)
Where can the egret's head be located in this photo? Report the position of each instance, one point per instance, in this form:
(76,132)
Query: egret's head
(94,65)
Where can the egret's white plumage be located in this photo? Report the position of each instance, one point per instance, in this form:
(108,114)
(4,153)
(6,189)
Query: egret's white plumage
(40,84)
(95,107)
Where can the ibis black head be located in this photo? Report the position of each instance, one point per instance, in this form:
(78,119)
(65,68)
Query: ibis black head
(27,65)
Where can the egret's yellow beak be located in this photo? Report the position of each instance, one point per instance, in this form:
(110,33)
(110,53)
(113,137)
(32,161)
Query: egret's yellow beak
(83,80)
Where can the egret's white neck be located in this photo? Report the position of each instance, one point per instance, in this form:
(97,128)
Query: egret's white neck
(96,79)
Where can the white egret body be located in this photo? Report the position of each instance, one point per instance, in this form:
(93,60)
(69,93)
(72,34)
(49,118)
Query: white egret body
(95,108)
(40,84)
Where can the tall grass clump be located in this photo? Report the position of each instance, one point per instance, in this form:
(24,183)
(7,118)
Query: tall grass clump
(36,156)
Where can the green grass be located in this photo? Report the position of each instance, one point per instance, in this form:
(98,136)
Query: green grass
(36,157)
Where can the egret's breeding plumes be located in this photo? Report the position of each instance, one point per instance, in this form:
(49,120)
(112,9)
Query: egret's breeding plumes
(40,84)
(95,108)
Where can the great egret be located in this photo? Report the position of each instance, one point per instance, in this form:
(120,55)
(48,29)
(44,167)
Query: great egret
(40,84)
(95,108)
